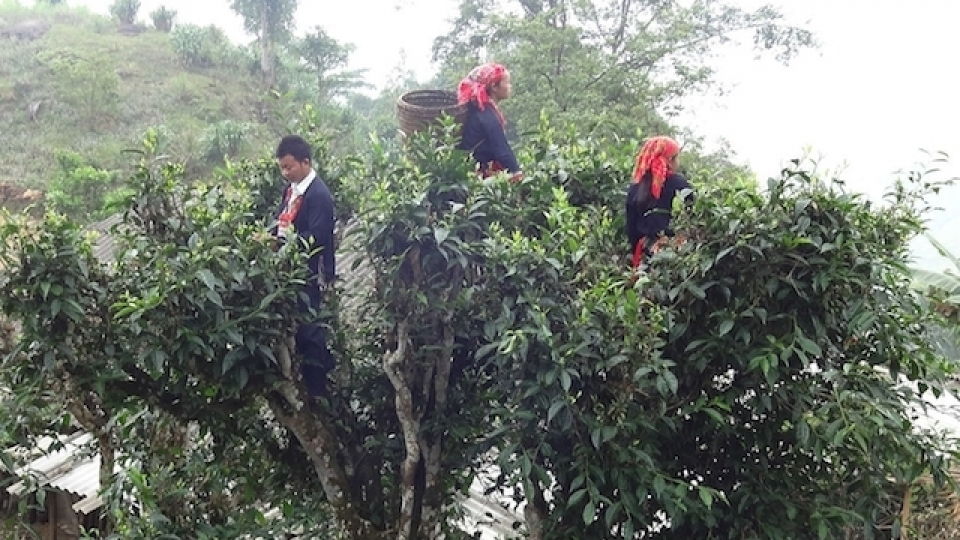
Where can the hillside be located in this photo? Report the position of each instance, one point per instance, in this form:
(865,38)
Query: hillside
(75,81)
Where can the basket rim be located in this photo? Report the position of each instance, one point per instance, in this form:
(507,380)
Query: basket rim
(429,91)
(445,94)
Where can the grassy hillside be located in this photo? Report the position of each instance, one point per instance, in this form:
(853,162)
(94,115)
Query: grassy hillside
(89,86)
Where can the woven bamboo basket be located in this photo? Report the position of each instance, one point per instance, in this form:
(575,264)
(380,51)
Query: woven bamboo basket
(420,108)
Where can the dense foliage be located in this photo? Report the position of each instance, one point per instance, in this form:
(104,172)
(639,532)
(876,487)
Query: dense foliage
(749,385)
(759,381)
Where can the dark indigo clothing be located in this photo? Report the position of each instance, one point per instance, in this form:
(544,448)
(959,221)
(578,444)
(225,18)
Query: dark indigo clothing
(317,361)
(484,137)
(653,220)
(315,219)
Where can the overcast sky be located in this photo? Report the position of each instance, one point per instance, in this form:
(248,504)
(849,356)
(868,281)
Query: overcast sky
(883,85)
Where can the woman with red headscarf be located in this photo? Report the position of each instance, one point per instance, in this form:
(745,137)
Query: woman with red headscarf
(656,183)
(483,129)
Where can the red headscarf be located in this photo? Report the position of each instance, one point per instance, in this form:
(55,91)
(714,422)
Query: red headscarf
(474,86)
(655,157)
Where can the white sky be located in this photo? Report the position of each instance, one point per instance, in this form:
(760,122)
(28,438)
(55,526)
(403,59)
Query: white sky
(884,84)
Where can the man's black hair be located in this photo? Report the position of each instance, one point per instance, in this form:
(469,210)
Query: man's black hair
(294,145)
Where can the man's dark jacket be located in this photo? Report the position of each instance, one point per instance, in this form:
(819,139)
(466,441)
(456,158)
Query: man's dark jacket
(316,220)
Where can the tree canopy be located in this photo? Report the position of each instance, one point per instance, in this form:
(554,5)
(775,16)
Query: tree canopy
(272,22)
(759,380)
(749,385)
(634,60)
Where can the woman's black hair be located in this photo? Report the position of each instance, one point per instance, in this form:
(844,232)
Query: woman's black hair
(643,196)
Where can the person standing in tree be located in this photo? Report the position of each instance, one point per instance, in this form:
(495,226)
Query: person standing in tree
(656,183)
(484,132)
(307,213)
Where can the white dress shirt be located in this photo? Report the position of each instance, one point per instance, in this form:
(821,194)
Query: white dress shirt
(296,191)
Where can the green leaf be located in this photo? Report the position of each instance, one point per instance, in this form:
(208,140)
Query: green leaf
(596,437)
(725,327)
(440,235)
(803,431)
(659,485)
(924,280)
(550,377)
(715,415)
(268,299)
(706,496)
(809,346)
(231,360)
(578,481)
(554,409)
(233,335)
(158,359)
(73,310)
(209,280)
(215,298)
(576,498)
(671,381)
(723,253)
(942,250)
(696,290)
(589,512)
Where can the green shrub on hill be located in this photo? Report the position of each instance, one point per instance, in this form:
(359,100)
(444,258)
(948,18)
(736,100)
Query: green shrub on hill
(162,18)
(225,140)
(78,187)
(198,46)
(125,11)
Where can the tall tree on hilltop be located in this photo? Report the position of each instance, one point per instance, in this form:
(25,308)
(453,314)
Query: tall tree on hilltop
(326,58)
(272,22)
(627,61)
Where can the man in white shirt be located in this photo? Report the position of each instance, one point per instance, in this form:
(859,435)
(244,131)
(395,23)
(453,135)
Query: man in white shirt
(307,212)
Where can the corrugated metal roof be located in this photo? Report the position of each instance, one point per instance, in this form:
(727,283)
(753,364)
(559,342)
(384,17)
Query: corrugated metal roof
(489,517)
(72,468)
(105,246)
(54,462)
(87,504)
(83,480)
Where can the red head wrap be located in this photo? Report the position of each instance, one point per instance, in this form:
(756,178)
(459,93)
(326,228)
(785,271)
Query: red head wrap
(474,86)
(655,157)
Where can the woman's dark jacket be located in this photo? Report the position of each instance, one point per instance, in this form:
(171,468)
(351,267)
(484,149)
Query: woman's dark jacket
(652,219)
(484,137)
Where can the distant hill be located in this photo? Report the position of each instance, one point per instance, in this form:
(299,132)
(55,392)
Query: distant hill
(73,80)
